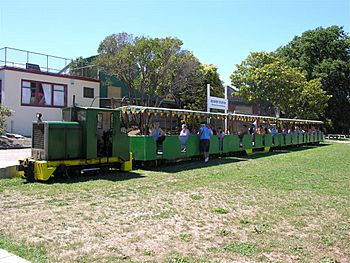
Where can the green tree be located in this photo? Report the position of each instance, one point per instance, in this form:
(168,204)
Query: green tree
(208,75)
(5,112)
(83,67)
(268,78)
(184,79)
(325,53)
(311,101)
(149,65)
(116,58)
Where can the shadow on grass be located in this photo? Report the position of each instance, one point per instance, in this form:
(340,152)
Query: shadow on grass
(285,150)
(297,148)
(113,176)
(177,166)
(184,165)
(197,163)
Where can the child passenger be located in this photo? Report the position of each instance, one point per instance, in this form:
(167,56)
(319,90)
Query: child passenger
(221,134)
(184,134)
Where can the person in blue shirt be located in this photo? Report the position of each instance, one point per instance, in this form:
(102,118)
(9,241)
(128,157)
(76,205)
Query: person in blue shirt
(204,135)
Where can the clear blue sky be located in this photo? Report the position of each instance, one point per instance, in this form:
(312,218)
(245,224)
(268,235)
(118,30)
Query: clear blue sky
(219,32)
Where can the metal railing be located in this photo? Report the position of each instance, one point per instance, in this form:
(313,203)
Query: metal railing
(14,57)
(337,136)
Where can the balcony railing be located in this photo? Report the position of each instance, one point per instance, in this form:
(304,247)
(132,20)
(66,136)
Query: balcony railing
(13,57)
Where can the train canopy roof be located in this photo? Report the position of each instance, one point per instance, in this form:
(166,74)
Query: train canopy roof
(213,115)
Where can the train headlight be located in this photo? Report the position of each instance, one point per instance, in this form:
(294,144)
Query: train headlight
(38,116)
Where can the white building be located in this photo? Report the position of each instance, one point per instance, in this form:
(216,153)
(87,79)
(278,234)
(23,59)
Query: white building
(28,91)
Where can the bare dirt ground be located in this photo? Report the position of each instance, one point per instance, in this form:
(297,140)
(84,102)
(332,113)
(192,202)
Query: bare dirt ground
(114,224)
(121,225)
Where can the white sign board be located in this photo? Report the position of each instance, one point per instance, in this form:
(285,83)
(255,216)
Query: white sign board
(217,103)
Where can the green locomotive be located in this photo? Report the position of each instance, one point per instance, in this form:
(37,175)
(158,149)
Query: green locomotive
(86,138)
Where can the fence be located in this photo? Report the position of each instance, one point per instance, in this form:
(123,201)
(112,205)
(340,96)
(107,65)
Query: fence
(13,57)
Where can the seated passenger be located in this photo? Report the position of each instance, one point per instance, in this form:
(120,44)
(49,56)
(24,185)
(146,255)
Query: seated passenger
(252,129)
(243,132)
(158,135)
(221,134)
(260,130)
(184,134)
(273,130)
(284,132)
(134,132)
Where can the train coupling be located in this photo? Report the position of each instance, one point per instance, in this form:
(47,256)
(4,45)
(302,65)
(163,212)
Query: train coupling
(20,168)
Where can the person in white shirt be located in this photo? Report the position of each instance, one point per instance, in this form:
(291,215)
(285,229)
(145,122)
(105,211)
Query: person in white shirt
(158,135)
(184,134)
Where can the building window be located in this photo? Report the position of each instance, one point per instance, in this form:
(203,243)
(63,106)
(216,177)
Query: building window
(114,92)
(35,93)
(99,120)
(88,92)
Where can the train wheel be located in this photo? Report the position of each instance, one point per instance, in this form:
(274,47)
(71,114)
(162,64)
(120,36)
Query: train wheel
(60,171)
(73,172)
(104,169)
(29,173)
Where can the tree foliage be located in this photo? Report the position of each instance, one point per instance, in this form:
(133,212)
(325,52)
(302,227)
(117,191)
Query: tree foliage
(115,58)
(268,78)
(208,75)
(83,67)
(5,112)
(158,68)
(325,53)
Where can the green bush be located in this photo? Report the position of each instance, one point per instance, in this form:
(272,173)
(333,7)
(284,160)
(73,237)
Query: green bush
(4,113)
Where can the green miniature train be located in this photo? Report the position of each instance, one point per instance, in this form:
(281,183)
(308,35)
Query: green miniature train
(102,138)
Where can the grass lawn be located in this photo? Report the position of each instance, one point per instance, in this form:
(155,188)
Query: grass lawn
(279,207)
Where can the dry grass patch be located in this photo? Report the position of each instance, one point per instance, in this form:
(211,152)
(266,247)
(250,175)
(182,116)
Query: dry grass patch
(281,207)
